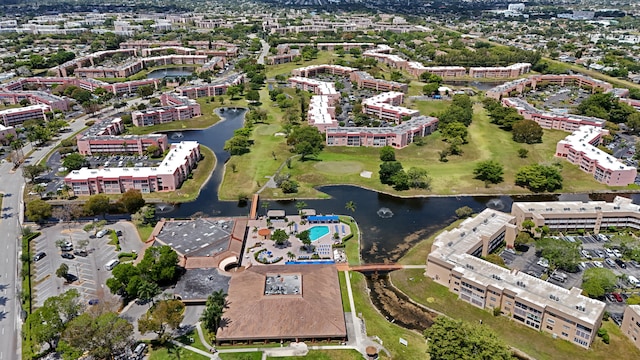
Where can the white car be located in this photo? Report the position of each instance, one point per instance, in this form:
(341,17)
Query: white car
(102,233)
(543,262)
(598,264)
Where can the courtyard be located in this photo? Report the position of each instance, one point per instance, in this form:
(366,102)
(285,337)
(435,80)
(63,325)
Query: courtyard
(324,232)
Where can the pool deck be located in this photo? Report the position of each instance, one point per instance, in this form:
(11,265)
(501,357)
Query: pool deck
(322,246)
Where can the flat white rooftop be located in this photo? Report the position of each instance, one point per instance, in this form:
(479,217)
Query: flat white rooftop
(174,159)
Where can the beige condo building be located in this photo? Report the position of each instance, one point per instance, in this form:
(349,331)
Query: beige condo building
(455,262)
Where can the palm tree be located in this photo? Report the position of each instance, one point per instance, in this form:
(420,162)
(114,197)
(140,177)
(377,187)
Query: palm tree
(40,189)
(291,255)
(350,205)
(301,205)
(290,224)
(265,206)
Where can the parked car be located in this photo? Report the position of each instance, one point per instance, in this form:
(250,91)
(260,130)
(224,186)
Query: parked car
(598,264)
(618,297)
(67,255)
(102,233)
(610,262)
(39,256)
(621,263)
(82,253)
(543,262)
(586,254)
(119,232)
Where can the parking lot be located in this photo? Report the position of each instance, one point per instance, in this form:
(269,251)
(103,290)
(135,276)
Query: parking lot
(87,269)
(597,251)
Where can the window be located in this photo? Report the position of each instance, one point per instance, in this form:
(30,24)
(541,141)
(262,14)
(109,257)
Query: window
(565,334)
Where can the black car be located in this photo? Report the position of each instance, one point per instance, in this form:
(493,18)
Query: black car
(67,255)
(621,263)
(82,253)
(70,278)
(39,256)
(119,233)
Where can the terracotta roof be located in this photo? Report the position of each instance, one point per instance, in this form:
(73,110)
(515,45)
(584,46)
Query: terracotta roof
(317,313)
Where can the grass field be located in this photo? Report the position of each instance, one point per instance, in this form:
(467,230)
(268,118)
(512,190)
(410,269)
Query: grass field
(144,232)
(163,353)
(256,355)
(324,57)
(345,354)
(343,291)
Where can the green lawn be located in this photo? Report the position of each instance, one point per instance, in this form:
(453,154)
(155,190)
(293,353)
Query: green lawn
(537,344)
(378,325)
(429,107)
(157,352)
(144,231)
(186,339)
(346,354)
(343,291)
(256,355)
(324,57)
(352,246)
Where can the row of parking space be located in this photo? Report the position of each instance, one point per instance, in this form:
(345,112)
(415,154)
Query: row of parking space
(86,271)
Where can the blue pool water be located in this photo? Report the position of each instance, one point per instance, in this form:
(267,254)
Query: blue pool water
(317,232)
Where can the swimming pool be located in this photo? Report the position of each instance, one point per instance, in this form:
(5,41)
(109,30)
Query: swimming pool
(317,232)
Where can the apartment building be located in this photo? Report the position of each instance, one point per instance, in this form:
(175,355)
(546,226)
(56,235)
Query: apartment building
(17,116)
(119,88)
(322,112)
(580,148)
(134,66)
(5,132)
(399,136)
(385,106)
(532,82)
(174,107)
(631,324)
(592,216)
(364,80)
(167,176)
(455,262)
(316,86)
(313,70)
(552,120)
(500,72)
(217,87)
(102,138)
(35,98)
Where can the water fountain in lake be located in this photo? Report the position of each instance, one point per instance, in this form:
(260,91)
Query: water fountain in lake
(162,208)
(384,212)
(177,135)
(495,204)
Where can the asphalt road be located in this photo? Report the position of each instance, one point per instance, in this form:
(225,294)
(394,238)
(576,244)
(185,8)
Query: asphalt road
(12,186)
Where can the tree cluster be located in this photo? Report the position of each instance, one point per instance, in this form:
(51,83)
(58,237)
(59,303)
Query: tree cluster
(306,141)
(489,171)
(605,106)
(159,267)
(163,315)
(598,281)
(453,124)
(500,115)
(392,173)
(240,143)
(60,324)
(538,178)
(561,254)
(455,339)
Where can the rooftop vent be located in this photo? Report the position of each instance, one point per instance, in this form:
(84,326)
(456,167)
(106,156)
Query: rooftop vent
(521,284)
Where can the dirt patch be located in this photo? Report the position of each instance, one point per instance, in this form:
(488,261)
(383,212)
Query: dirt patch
(396,307)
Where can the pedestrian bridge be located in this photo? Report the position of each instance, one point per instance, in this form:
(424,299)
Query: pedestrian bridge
(372,268)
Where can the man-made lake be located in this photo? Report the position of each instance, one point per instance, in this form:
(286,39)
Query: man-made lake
(389,225)
(171,72)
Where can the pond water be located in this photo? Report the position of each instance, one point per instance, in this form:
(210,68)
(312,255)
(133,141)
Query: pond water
(173,72)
